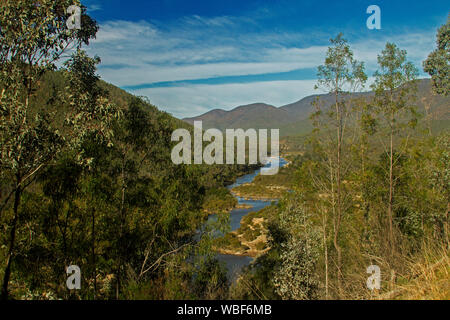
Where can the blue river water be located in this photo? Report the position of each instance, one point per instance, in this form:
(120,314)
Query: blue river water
(233,263)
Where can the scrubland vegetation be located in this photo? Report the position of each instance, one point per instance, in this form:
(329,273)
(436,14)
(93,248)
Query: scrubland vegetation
(371,187)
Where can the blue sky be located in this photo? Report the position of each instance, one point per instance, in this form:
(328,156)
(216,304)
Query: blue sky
(190,57)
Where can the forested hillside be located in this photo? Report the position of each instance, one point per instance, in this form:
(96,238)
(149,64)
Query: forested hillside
(123,217)
(87,179)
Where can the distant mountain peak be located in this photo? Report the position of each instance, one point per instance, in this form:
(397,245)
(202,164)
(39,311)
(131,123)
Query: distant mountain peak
(262,115)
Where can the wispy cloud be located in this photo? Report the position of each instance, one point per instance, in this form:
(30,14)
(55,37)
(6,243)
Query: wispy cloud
(196,63)
(134,53)
(94,7)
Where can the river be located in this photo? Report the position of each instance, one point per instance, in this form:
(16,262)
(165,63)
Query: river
(233,263)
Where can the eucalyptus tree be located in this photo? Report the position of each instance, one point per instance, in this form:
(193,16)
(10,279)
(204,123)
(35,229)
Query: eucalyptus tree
(438,62)
(438,66)
(295,276)
(341,76)
(394,109)
(34,37)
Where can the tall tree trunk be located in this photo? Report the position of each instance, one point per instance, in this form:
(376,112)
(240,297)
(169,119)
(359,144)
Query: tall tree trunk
(122,222)
(17,196)
(338,191)
(325,247)
(391,190)
(94,272)
(12,239)
(447,245)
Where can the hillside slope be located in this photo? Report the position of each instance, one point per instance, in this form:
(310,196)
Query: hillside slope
(291,119)
(256,115)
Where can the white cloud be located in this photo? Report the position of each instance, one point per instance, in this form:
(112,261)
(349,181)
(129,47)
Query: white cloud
(195,47)
(123,31)
(94,7)
(221,21)
(153,73)
(140,52)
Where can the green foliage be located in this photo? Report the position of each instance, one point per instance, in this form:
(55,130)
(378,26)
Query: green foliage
(295,277)
(33,36)
(438,62)
(393,180)
(87,181)
(219,199)
(340,68)
(395,114)
(128,219)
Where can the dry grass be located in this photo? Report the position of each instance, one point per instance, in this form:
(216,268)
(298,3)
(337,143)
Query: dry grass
(427,279)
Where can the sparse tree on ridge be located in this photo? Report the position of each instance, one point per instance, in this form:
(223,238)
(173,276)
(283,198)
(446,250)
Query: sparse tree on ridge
(395,111)
(341,75)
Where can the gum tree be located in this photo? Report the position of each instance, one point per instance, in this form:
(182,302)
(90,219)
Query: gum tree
(33,37)
(394,108)
(340,76)
(438,62)
(294,277)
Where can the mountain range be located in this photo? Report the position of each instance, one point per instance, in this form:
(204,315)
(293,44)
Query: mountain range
(293,119)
